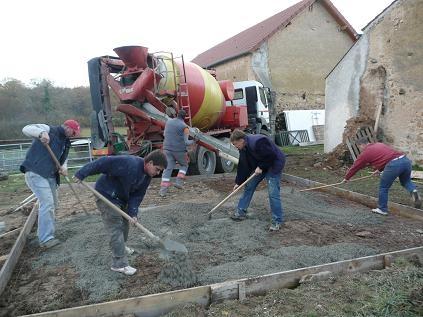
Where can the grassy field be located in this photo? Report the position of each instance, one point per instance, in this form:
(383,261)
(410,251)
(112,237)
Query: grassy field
(86,132)
(302,150)
(14,189)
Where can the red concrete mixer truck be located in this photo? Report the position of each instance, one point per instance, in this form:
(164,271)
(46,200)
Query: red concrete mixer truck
(153,87)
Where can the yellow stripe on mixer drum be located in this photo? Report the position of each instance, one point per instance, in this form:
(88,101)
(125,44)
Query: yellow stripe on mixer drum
(212,105)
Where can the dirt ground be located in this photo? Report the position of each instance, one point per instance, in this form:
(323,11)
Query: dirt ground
(319,228)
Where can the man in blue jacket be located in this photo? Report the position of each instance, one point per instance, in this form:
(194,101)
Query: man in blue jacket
(42,175)
(124,181)
(258,155)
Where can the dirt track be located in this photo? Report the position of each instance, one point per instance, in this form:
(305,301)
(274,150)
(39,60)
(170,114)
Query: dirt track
(319,228)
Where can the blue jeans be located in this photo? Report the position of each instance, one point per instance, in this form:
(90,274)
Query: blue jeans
(400,168)
(45,189)
(273,187)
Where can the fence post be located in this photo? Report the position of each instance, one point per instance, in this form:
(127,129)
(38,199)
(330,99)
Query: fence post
(89,150)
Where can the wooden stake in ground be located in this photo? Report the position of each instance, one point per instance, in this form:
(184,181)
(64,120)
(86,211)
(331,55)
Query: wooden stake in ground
(66,178)
(230,195)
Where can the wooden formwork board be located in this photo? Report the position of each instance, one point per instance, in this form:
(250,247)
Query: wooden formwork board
(158,304)
(395,208)
(143,306)
(13,256)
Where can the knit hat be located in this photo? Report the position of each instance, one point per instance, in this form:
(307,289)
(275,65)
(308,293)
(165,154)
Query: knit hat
(182,114)
(74,125)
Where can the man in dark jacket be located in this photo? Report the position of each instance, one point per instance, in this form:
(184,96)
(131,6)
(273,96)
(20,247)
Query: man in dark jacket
(258,155)
(124,181)
(42,175)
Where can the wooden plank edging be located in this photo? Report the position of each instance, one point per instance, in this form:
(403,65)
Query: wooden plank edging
(13,257)
(157,304)
(289,279)
(395,208)
(143,306)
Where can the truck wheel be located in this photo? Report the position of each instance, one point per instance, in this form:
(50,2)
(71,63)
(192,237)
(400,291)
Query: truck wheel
(222,165)
(206,162)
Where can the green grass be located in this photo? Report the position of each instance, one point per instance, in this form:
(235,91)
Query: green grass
(302,150)
(393,292)
(14,184)
(14,189)
(417,167)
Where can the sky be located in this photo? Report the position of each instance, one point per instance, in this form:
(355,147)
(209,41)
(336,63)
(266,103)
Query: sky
(54,39)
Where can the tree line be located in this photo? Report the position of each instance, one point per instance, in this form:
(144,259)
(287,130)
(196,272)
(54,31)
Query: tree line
(41,102)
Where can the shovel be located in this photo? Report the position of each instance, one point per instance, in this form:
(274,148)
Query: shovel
(167,245)
(66,178)
(230,195)
(339,183)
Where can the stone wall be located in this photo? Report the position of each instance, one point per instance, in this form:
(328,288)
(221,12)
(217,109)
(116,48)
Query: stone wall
(394,76)
(238,69)
(382,75)
(302,55)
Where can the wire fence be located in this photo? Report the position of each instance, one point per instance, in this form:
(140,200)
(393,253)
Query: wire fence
(12,155)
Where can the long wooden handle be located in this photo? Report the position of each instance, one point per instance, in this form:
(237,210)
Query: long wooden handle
(121,212)
(30,197)
(27,202)
(56,161)
(318,187)
(233,193)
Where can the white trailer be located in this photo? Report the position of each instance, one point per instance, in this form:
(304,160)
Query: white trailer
(296,120)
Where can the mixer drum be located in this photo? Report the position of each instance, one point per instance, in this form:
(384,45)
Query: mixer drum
(205,95)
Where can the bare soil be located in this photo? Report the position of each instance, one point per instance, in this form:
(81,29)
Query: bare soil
(319,228)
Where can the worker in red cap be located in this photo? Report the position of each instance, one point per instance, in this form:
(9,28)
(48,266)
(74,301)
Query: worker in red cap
(41,173)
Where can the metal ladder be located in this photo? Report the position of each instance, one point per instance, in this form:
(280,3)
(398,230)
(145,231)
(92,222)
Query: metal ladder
(181,89)
(183,95)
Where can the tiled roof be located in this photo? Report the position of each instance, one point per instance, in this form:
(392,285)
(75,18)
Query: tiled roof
(251,38)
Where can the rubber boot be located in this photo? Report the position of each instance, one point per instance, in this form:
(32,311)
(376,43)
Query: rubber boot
(179,183)
(416,198)
(163,191)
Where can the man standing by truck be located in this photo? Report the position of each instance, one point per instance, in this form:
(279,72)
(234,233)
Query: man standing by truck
(41,174)
(124,181)
(175,144)
(259,155)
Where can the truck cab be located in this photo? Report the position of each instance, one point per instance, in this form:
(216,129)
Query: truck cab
(258,101)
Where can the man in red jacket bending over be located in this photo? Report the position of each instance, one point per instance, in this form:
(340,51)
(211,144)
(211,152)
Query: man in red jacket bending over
(393,164)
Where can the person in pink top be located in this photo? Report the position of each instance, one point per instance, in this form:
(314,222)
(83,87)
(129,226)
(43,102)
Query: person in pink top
(392,164)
